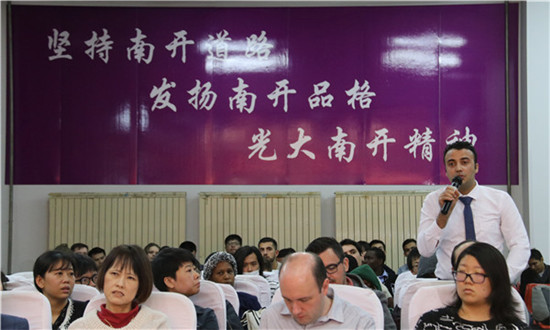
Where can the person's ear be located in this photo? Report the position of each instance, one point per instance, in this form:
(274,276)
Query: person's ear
(39,280)
(324,288)
(477,167)
(346,264)
(170,282)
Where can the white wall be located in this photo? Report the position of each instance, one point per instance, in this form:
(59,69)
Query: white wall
(532,196)
(538,122)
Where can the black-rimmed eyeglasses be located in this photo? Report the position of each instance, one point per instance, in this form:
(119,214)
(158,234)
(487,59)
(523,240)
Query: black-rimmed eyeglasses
(477,278)
(332,268)
(86,280)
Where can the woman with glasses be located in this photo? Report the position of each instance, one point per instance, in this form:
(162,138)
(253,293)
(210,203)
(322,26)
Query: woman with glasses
(126,279)
(484,297)
(53,273)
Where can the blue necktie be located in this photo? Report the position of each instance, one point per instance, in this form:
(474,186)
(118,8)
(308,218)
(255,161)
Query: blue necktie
(468,218)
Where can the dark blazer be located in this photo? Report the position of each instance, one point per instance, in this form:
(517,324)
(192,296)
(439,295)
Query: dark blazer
(13,322)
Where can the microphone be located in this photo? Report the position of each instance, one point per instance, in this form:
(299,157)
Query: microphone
(457,181)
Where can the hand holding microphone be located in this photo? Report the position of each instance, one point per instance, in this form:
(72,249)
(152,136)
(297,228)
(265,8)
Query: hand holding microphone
(457,181)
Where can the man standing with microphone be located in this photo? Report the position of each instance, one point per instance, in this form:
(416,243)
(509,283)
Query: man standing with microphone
(466,210)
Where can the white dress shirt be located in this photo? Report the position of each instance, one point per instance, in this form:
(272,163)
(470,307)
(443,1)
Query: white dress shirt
(496,220)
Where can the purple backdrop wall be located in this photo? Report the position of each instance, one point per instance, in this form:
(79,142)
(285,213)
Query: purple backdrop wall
(364,95)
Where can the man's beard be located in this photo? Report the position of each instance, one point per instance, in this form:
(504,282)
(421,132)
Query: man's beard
(268,264)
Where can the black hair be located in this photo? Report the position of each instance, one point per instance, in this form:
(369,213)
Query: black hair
(268,240)
(63,247)
(96,250)
(166,264)
(374,241)
(78,246)
(352,262)
(414,254)
(285,252)
(459,145)
(233,237)
(4,279)
(189,246)
(535,254)
(321,244)
(378,253)
(348,241)
(245,251)
(407,242)
(494,265)
(364,245)
(83,264)
(134,257)
(49,259)
(148,246)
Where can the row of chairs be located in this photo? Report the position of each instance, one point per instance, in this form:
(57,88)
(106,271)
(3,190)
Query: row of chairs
(420,296)
(212,295)
(179,309)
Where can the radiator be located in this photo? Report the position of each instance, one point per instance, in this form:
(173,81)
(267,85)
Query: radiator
(293,219)
(389,216)
(108,220)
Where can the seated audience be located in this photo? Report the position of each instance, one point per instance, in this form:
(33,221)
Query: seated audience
(376,243)
(189,246)
(80,248)
(174,271)
(413,261)
(232,243)
(85,271)
(538,271)
(309,302)
(249,262)
(98,254)
(332,256)
(221,267)
(364,246)
(376,259)
(53,273)
(407,246)
(151,250)
(269,251)
(484,297)
(126,280)
(351,248)
(283,253)
(404,280)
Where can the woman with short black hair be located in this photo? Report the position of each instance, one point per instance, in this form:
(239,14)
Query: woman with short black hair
(54,277)
(126,279)
(484,297)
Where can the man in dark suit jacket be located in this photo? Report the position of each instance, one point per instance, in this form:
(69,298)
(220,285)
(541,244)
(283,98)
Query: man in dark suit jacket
(13,322)
(538,271)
